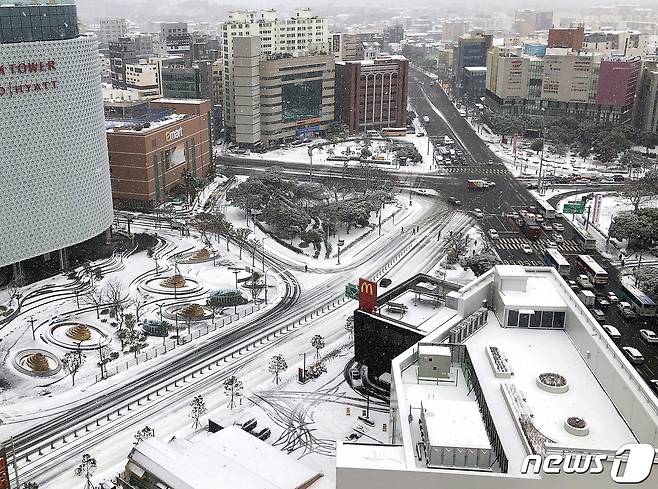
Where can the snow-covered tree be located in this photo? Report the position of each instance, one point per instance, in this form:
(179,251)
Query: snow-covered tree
(143,434)
(277,365)
(349,326)
(105,356)
(317,342)
(94,297)
(199,408)
(215,304)
(241,235)
(232,389)
(481,263)
(86,469)
(72,361)
(30,485)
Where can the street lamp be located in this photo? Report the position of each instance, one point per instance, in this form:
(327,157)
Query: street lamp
(263,251)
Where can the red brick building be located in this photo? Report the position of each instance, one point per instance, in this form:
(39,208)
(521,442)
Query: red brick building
(566,37)
(618,81)
(151,145)
(372,94)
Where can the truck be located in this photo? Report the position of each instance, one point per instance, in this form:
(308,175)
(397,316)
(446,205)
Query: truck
(531,229)
(587,297)
(478,185)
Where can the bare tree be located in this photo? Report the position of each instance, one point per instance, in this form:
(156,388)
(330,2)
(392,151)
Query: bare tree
(232,389)
(115,296)
(317,342)
(199,408)
(94,297)
(277,365)
(140,301)
(86,469)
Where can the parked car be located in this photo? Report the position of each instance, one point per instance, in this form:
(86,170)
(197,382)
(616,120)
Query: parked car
(612,331)
(557,237)
(546,227)
(598,314)
(493,234)
(634,355)
(558,227)
(385,282)
(527,249)
(478,213)
(649,336)
(584,282)
(612,297)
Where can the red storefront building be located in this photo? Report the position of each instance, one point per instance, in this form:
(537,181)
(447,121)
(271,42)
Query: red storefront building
(151,146)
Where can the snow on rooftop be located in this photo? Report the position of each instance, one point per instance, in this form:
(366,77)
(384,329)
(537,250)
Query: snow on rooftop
(383,457)
(180,100)
(427,349)
(455,424)
(127,125)
(422,312)
(531,352)
(230,458)
(540,293)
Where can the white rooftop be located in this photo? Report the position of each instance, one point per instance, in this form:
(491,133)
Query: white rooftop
(230,458)
(539,294)
(423,312)
(358,455)
(425,349)
(455,424)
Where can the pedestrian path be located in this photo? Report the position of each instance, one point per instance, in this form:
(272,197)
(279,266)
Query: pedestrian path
(485,170)
(540,244)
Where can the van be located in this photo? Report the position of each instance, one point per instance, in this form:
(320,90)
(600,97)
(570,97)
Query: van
(587,297)
(612,332)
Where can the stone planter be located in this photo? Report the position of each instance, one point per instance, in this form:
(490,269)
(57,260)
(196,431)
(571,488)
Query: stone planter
(553,383)
(576,426)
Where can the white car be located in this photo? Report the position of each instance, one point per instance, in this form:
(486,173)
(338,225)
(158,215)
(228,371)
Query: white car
(584,282)
(551,244)
(546,227)
(612,331)
(558,238)
(527,249)
(478,213)
(612,297)
(493,234)
(633,355)
(539,218)
(649,336)
(558,227)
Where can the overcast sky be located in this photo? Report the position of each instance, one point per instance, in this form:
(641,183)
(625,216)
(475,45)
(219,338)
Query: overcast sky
(91,10)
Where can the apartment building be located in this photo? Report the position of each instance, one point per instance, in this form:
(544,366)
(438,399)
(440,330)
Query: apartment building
(646,108)
(563,82)
(344,47)
(111,30)
(280,97)
(617,43)
(302,32)
(143,79)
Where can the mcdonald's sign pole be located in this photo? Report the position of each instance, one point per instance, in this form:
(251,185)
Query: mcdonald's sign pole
(367,295)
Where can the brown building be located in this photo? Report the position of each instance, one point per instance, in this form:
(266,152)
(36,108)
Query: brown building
(152,144)
(566,37)
(372,94)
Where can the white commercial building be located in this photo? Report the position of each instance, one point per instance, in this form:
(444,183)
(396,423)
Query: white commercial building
(523,374)
(304,32)
(111,30)
(54,177)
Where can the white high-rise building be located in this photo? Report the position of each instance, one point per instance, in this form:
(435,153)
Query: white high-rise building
(304,32)
(111,30)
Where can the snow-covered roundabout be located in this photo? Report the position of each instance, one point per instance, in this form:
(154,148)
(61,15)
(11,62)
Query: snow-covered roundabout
(73,336)
(36,363)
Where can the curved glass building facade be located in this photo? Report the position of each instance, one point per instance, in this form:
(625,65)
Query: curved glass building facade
(27,23)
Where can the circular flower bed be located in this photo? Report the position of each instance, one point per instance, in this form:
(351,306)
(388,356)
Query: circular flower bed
(552,382)
(576,426)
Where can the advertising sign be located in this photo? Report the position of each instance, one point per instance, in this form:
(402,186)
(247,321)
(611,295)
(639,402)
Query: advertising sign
(596,210)
(351,291)
(367,295)
(574,208)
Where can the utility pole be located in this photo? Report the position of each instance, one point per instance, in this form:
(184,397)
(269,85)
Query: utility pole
(32,321)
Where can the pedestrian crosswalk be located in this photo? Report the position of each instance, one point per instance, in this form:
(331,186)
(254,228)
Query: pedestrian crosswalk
(569,245)
(485,170)
(525,263)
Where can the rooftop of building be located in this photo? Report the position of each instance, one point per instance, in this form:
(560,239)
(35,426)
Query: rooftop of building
(228,458)
(182,101)
(601,387)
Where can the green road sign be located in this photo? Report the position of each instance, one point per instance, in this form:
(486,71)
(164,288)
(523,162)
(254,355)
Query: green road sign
(352,291)
(574,208)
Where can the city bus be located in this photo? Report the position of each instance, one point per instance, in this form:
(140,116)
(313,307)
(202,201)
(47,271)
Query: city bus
(596,273)
(394,131)
(583,239)
(545,209)
(554,258)
(639,301)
